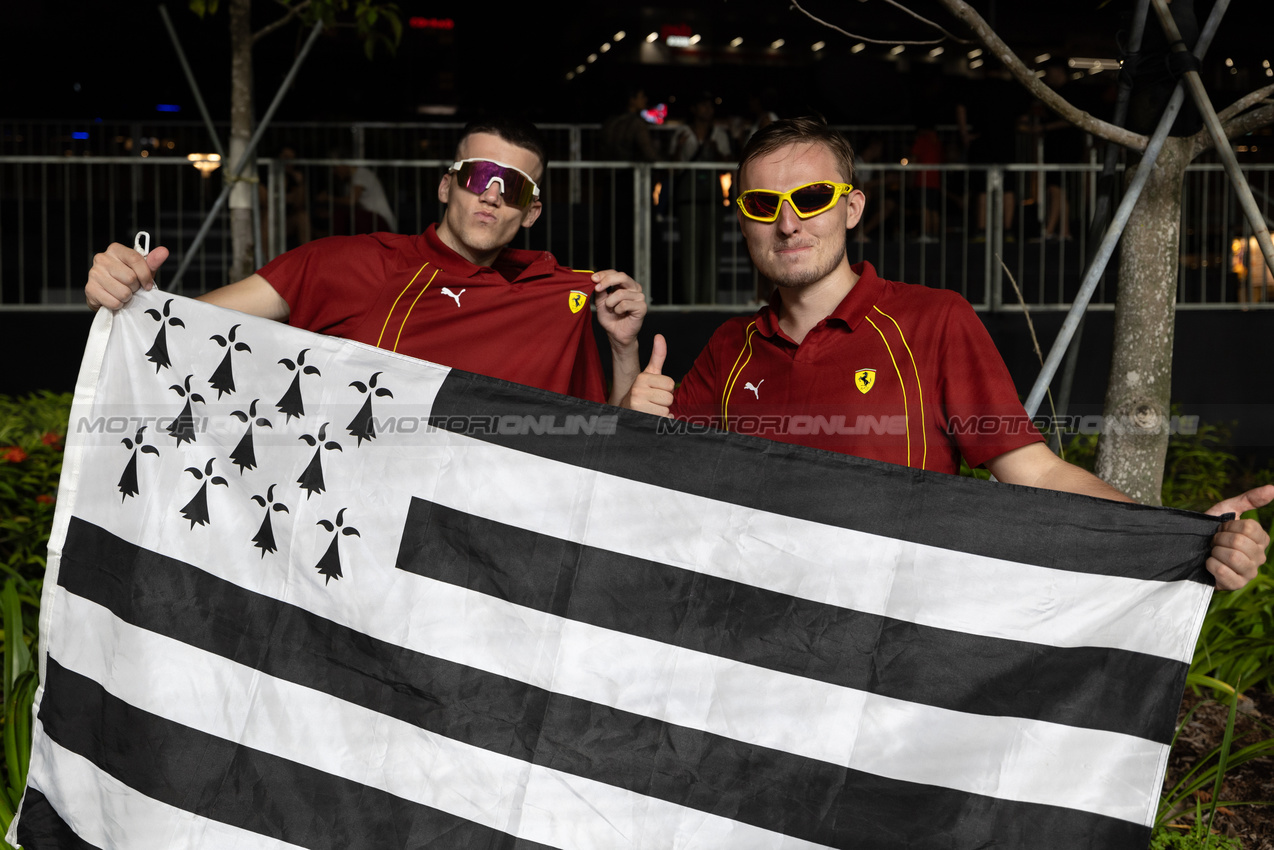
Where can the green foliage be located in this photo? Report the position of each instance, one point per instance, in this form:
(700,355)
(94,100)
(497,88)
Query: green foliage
(203,7)
(1236,643)
(31,434)
(1195,837)
(1208,774)
(1198,471)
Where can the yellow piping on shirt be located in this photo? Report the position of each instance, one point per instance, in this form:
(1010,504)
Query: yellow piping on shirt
(393,306)
(735,371)
(920,390)
(413,307)
(906,415)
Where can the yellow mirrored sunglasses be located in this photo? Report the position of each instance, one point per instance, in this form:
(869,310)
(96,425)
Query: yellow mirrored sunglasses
(807,201)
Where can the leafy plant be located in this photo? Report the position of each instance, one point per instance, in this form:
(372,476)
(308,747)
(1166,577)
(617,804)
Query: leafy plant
(1236,643)
(1196,836)
(31,434)
(1208,773)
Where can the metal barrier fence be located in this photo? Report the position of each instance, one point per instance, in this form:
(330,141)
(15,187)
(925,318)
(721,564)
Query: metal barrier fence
(672,225)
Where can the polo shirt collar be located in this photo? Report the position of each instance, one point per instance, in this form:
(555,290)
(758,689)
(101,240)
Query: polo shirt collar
(512,263)
(850,312)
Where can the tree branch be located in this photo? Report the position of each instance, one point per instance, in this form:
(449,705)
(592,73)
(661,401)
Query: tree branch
(992,41)
(1245,103)
(1250,121)
(829,25)
(936,26)
(293,11)
(1236,122)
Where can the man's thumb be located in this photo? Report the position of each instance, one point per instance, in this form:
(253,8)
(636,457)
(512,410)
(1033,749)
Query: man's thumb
(657,354)
(156,258)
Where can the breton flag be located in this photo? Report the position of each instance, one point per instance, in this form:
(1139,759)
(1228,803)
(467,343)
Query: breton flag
(307,593)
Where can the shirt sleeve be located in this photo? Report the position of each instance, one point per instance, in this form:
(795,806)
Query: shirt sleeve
(319,281)
(980,404)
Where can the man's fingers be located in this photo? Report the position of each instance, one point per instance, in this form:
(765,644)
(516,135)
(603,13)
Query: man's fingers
(1257,497)
(663,398)
(608,278)
(154,260)
(1238,550)
(625,301)
(1245,536)
(118,272)
(1226,578)
(657,355)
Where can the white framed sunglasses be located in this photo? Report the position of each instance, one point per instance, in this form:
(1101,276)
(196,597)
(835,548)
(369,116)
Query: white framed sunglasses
(516,186)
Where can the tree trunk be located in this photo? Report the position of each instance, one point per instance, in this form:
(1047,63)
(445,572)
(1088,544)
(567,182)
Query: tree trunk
(241,232)
(1134,443)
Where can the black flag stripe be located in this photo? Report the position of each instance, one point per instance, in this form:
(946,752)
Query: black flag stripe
(1112,689)
(1056,530)
(241,786)
(805,798)
(42,828)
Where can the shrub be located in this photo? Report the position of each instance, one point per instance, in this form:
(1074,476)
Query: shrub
(31,434)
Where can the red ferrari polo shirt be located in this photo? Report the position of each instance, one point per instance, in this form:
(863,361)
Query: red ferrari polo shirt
(526,319)
(899,373)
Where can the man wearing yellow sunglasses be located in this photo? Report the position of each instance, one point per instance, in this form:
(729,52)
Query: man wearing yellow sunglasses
(455,294)
(844,360)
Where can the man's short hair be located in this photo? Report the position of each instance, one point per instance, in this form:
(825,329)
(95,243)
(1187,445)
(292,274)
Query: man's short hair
(797,131)
(515,131)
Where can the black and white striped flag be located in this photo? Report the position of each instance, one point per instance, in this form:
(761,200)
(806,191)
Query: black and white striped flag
(306,593)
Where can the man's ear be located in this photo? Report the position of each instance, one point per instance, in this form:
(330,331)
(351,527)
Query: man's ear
(444,188)
(532,213)
(855,201)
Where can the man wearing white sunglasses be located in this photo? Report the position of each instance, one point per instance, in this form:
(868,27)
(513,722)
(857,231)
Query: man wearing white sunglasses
(846,361)
(455,294)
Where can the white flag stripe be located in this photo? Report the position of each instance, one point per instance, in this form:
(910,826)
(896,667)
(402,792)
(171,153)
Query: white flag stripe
(125,819)
(927,585)
(930,586)
(1038,762)
(234,702)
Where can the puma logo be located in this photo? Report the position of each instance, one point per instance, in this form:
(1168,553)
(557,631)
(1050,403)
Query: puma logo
(456,295)
(756,390)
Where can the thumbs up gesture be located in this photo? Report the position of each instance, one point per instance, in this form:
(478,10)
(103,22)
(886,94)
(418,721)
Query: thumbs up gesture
(652,391)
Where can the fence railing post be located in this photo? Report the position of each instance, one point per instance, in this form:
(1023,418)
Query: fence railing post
(995,238)
(643,215)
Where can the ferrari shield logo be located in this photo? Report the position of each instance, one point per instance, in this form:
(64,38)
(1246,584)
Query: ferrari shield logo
(865,379)
(577,300)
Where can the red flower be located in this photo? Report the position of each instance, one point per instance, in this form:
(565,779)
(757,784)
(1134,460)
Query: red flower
(52,439)
(45,499)
(12,454)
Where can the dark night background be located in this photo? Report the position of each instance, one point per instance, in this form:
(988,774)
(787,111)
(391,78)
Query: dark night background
(80,60)
(112,59)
